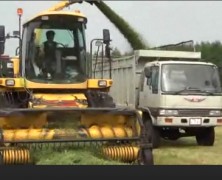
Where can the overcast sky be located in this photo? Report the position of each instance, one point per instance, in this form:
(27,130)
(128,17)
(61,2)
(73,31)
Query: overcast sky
(159,22)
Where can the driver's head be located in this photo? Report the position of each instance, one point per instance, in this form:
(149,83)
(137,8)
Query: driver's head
(50,35)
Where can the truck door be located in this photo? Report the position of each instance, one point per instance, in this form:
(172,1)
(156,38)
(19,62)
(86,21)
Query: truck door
(149,90)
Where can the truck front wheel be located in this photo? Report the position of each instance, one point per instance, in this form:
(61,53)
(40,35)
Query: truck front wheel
(206,137)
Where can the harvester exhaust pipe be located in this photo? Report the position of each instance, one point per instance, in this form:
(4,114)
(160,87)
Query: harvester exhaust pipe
(20,13)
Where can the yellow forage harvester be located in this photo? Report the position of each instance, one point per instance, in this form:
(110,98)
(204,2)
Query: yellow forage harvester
(48,94)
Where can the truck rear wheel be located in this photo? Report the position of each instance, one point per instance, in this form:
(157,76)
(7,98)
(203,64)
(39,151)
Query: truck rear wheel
(206,137)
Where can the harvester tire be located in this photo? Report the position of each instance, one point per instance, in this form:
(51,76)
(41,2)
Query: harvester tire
(153,133)
(1,159)
(146,157)
(206,137)
(148,128)
(155,137)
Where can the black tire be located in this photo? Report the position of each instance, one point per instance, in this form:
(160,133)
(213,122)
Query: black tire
(153,133)
(155,137)
(1,159)
(146,157)
(206,137)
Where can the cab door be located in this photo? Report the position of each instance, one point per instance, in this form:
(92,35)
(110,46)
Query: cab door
(149,90)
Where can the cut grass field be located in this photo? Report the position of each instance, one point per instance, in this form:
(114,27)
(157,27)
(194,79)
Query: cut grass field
(184,151)
(71,157)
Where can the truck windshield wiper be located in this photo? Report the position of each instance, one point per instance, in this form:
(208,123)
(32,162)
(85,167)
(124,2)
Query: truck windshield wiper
(194,89)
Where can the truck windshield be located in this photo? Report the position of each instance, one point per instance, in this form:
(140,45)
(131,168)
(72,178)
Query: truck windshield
(190,77)
(54,51)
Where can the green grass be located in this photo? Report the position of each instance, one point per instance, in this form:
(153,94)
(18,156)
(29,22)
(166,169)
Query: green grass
(68,156)
(186,152)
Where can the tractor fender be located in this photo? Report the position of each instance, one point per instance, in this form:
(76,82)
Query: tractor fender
(146,114)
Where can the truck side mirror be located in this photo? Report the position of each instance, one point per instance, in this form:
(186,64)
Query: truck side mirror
(2,39)
(147,72)
(106,36)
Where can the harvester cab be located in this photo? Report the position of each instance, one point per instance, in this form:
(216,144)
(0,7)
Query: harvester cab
(52,97)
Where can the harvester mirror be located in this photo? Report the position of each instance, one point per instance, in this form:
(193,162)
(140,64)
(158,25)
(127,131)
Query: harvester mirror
(2,39)
(2,48)
(147,72)
(16,33)
(106,36)
(98,43)
(2,33)
(7,36)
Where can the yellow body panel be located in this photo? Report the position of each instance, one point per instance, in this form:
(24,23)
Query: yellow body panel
(23,83)
(60,96)
(110,125)
(57,98)
(68,13)
(26,121)
(15,61)
(93,83)
(19,83)
(37,85)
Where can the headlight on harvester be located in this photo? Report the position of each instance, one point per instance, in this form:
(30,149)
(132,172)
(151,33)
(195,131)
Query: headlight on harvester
(215,113)
(168,112)
(102,83)
(9,82)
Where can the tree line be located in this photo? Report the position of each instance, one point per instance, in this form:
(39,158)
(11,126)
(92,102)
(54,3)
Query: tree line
(211,51)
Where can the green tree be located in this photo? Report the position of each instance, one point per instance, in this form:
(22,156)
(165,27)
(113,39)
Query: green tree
(211,52)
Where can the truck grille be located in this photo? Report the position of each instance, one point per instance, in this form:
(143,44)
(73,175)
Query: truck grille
(193,112)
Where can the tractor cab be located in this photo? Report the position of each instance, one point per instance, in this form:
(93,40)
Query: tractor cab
(54,50)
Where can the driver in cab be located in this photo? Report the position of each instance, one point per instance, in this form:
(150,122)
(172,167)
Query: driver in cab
(49,55)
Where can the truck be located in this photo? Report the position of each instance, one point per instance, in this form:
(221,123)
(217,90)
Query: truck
(177,91)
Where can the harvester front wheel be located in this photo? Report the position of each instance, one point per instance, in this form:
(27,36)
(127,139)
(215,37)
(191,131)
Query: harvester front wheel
(145,153)
(153,133)
(146,157)
(155,137)
(1,158)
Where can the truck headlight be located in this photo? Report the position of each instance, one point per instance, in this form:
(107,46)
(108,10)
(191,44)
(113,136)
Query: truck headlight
(215,113)
(168,112)
(102,83)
